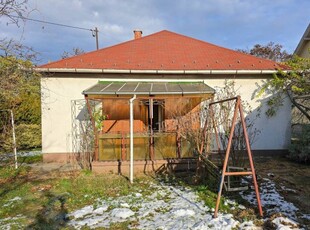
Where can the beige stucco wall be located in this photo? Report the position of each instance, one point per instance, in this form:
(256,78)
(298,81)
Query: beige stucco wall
(57,94)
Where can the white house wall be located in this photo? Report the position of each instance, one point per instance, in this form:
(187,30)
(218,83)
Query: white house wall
(275,132)
(57,94)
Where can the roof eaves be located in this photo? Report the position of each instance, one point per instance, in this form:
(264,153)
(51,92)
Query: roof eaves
(73,70)
(142,71)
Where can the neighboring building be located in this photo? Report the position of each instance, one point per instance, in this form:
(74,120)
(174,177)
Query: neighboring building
(302,50)
(303,47)
(163,68)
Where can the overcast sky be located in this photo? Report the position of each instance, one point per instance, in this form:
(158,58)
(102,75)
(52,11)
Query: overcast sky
(230,23)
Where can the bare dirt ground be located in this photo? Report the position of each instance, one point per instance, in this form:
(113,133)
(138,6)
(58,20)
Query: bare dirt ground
(292,179)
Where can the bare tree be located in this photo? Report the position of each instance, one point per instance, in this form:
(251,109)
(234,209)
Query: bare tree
(271,51)
(197,128)
(14,10)
(188,125)
(223,113)
(75,51)
(12,48)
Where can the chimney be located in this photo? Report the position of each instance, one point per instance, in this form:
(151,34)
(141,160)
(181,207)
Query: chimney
(137,34)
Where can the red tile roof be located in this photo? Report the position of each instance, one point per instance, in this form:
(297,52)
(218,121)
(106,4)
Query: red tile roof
(165,50)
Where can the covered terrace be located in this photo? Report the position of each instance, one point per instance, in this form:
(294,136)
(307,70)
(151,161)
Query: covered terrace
(140,120)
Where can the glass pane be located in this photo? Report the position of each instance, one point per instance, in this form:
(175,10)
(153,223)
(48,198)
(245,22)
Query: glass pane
(165,145)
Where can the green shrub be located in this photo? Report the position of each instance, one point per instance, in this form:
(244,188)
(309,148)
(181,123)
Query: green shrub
(300,148)
(28,136)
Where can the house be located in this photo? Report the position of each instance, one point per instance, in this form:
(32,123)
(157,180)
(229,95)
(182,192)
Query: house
(136,87)
(303,47)
(302,50)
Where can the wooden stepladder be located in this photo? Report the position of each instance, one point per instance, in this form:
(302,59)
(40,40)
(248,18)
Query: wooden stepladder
(225,172)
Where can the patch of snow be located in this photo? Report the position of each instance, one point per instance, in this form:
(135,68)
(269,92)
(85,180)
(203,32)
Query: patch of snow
(15,198)
(122,213)
(231,202)
(183,212)
(283,223)
(305,216)
(101,209)
(11,222)
(138,194)
(124,205)
(82,212)
(6,156)
(168,207)
(10,202)
(271,200)
(249,226)
(30,153)
(288,189)
(270,174)
(223,221)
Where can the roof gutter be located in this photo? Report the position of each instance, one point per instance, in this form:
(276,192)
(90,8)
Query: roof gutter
(129,71)
(85,92)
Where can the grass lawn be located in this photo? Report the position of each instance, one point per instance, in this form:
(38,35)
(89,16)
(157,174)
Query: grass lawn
(38,200)
(41,199)
(34,199)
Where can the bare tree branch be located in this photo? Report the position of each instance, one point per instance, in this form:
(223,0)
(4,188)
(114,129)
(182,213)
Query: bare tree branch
(269,51)
(14,10)
(298,106)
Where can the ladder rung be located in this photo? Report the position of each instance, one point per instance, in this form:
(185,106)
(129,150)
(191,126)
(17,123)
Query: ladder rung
(237,173)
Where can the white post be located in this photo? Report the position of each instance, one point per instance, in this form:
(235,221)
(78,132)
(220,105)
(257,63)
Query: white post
(14,139)
(131,137)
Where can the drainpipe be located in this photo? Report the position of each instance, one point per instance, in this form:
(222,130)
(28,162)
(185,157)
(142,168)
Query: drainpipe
(151,115)
(131,136)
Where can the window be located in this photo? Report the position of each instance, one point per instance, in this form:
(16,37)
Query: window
(155,114)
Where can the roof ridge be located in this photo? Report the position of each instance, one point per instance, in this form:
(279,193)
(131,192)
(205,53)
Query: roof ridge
(164,50)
